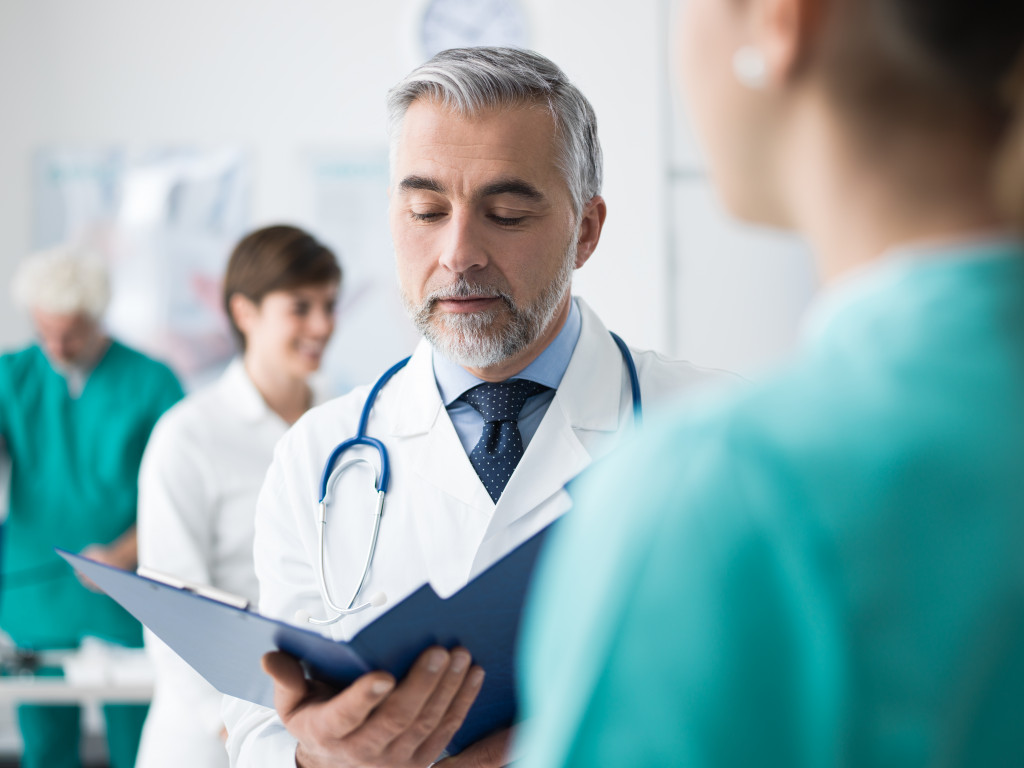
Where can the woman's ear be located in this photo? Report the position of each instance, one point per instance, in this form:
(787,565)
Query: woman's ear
(785,33)
(243,311)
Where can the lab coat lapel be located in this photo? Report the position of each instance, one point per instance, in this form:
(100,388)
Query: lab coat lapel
(449,506)
(588,403)
(431,444)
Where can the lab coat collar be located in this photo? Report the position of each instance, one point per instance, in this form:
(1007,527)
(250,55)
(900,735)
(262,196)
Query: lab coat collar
(588,399)
(419,402)
(440,458)
(592,384)
(241,394)
(592,389)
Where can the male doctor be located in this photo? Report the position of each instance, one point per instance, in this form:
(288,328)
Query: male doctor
(514,390)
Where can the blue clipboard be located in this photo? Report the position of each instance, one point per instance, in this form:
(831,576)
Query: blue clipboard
(224,643)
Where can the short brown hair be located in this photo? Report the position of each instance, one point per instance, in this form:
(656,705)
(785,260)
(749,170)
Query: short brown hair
(276,258)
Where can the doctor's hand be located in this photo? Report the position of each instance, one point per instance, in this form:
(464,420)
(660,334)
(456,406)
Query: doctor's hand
(490,752)
(374,721)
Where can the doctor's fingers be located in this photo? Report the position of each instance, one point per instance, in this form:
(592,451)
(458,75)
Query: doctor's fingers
(418,710)
(295,695)
(490,752)
(443,713)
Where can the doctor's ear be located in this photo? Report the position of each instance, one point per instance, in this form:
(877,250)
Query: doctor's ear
(244,312)
(591,223)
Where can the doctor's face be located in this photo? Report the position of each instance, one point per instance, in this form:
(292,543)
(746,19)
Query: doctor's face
(68,339)
(485,235)
(288,330)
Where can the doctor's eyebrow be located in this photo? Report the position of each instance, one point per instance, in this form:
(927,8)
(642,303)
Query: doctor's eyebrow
(410,183)
(512,186)
(509,186)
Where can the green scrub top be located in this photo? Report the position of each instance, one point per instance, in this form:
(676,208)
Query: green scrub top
(75,465)
(825,570)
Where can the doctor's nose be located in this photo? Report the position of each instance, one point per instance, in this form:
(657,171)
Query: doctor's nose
(462,249)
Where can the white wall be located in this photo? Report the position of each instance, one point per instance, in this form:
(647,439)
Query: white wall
(281,78)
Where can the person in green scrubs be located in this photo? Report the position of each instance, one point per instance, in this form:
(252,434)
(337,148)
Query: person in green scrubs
(825,569)
(76,410)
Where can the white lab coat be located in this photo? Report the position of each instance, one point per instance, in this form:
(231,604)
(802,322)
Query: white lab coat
(198,484)
(439,524)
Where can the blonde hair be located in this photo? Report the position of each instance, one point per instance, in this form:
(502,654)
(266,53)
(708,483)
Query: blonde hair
(65,280)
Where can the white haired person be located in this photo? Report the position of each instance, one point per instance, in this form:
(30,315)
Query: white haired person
(76,410)
(825,570)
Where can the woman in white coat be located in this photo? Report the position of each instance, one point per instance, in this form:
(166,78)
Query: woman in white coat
(205,463)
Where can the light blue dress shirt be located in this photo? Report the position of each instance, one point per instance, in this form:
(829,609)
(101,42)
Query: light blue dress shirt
(548,369)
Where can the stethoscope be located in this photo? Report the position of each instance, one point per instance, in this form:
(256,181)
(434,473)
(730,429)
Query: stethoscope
(330,476)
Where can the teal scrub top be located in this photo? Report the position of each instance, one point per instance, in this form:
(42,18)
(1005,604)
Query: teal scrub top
(826,570)
(75,465)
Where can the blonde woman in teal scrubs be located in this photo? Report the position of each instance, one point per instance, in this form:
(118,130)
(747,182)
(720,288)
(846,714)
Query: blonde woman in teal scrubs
(826,570)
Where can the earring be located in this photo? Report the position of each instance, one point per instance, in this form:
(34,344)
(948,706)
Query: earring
(750,68)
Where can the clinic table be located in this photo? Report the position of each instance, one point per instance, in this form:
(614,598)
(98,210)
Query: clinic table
(26,689)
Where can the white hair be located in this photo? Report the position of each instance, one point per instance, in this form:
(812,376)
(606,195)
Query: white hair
(470,80)
(64,281)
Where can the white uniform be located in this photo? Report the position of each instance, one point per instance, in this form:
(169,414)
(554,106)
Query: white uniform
(200,478)
(439,524)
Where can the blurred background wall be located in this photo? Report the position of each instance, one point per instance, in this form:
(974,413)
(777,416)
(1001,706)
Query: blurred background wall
(284,82)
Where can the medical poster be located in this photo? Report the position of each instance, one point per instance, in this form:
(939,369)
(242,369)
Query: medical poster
(166,220)
(350,213)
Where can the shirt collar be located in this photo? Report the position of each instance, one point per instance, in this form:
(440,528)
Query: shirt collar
(549,367)
(242,393)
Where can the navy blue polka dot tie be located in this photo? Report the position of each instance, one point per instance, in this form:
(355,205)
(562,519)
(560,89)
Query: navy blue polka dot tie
(500,447)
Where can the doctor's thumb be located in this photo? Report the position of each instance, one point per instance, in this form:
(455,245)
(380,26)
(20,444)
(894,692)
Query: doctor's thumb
(291,688)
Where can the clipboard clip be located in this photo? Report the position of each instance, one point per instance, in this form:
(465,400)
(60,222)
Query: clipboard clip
(212,593)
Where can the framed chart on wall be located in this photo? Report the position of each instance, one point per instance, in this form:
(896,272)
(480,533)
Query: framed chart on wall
(165,220)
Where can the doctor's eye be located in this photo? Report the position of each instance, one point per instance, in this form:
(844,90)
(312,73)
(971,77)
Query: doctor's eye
(431,216)
(505,221)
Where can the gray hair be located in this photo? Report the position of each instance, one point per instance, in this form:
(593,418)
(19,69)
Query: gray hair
(471,80)
(63,281)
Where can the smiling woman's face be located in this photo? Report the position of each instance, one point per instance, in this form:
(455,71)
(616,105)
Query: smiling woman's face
(289,329)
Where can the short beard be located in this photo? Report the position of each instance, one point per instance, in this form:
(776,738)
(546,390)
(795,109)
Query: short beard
(480,339)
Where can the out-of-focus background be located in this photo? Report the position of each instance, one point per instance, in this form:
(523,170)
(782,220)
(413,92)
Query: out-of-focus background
(161,132)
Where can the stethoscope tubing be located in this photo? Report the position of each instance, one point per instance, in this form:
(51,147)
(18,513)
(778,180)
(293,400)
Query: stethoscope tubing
(383,477)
